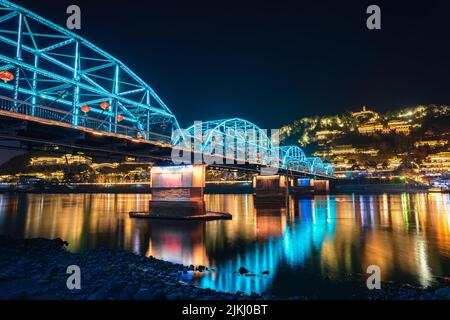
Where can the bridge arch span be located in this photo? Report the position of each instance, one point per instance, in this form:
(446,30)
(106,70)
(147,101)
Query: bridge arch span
(292,157)
(54,67)
(240,137)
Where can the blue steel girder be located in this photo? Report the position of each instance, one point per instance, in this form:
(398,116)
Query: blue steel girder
(328,168)
(315,165)
(242,139)
(54,67)
(292,158)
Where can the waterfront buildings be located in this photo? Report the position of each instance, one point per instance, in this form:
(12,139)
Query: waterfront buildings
(436,163)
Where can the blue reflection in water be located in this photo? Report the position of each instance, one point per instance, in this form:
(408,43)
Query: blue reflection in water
(313,223)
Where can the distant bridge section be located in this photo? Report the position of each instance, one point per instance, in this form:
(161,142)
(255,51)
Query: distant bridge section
(241,141)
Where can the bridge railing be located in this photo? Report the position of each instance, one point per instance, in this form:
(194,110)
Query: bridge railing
(45,114)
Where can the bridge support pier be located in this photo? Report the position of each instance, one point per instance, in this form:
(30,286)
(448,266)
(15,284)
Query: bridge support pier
(308,186)
(274,189)
(321,186)
(271,190)
(177,191)
(303,186)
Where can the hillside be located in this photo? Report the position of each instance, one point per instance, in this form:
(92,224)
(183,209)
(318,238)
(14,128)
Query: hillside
(406,137)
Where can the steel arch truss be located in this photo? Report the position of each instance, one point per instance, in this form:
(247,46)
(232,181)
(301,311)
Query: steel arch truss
(58,69)
(317,166)
(328,169)
(243,141)
(293,158)
(236,139)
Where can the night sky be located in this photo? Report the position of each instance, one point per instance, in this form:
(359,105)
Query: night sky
(272,62)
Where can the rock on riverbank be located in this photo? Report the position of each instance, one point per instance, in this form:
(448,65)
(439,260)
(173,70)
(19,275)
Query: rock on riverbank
(36,269)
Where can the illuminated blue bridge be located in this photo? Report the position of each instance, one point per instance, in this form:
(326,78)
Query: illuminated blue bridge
(54,77)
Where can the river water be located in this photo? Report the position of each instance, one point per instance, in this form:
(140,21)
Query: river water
(300,244)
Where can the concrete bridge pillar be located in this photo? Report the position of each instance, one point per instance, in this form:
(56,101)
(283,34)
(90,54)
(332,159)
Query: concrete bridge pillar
(270,189)
(303,186)
(321,186)
(177,191)
(308,186)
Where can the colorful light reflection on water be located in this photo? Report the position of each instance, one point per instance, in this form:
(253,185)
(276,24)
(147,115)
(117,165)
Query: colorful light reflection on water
(301,243)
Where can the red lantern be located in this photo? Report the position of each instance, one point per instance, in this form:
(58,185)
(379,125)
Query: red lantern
(6,76)
(104,105)
(119,118)
(85,108)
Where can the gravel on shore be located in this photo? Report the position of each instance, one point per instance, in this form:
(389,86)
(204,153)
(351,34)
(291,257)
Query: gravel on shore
(36,269)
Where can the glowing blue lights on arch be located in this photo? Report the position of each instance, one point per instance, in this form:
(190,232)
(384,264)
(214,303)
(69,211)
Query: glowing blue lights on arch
(235,138)
(246,142)
(56,68)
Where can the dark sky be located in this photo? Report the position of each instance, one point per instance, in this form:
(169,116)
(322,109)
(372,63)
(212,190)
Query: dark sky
(275,61)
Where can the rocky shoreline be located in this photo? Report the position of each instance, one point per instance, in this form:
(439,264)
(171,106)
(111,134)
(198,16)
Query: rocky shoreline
(35,269)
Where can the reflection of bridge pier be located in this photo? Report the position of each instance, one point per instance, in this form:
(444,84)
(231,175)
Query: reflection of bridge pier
(178,241)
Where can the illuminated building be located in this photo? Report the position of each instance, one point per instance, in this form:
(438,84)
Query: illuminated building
(98,166)
(364,113)
(394,162)
(327,134)
(342,165)
(63,160)
(343,149)
(399,126)
(371,127)
(346,150)
(438,162)
(430,143)
(82,169)
(404,127)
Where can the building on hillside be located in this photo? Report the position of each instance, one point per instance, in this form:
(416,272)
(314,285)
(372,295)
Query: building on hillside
(365,114)
(437,163)
(394,162)
(327,134)
(371,127)
(345,150)
(430,143)
(369,151)
(401,126)
(342,149)
(341,164)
